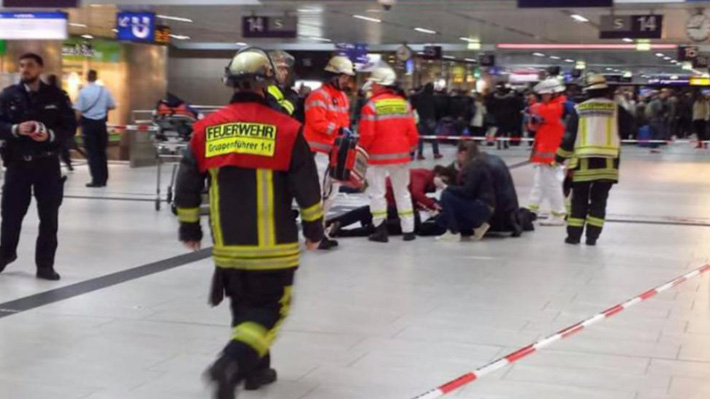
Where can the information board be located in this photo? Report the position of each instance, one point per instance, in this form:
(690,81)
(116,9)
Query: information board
(269,27)
(41,3)
(631,26)
(33,26)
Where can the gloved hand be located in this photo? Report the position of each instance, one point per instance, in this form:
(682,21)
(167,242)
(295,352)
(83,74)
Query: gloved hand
(346,132)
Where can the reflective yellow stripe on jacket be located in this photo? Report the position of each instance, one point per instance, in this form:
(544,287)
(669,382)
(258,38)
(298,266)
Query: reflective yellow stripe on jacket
(276,93)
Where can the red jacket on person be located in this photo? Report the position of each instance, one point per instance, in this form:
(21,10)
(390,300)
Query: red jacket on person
(421,182)
(327,112)
(550,130)
(388,131)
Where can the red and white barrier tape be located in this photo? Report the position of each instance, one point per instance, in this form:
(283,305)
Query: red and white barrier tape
(138,128)
(569,331)
(529,139)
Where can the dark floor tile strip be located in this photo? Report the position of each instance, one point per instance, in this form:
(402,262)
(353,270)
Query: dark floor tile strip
(84,287)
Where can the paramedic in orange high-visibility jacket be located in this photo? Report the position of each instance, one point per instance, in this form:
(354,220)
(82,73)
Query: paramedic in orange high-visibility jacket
(327,114)
(388,132)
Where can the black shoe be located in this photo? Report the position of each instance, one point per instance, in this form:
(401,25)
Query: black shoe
(409,237)
(333,229)
(224,375)
(380,234)
(48,274)
(70,167)
(572,241)
(95,185)
(259,378)
(591,241)
(6,261)
(327,244)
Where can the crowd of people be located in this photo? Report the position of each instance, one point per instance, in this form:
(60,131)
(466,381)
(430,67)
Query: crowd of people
(256,159)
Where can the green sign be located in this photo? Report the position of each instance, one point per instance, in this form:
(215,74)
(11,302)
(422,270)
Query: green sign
(3,47)
(76,49)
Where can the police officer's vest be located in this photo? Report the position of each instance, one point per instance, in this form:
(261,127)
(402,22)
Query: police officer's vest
(598,131)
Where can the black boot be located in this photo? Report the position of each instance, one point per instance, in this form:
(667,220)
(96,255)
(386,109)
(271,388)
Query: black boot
(327,244)
(224,375)
(409,237)
(591,241)
(380,234)
(572,240)
(6,261)
(48,274)
(259,378)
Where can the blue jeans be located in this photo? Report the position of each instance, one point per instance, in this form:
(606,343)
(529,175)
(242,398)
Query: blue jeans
(462,215)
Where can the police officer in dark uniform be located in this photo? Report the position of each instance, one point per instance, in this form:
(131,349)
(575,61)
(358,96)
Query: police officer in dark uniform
(255,161)
(35,121)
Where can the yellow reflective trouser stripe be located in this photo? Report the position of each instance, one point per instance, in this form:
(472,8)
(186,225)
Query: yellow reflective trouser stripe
(252,251)
(257,336)
(557,214)
(265,207)
(575,222)
(379,213)
(534,207)
(277,263)
(312,213)
(406,213)
(595,221)
(188,215)
(214,207)
(254,335)
(564,153)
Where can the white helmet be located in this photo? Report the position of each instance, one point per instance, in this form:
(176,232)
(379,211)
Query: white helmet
(340,65)
(250,64)
(383,75)
(595,82)
(549,86)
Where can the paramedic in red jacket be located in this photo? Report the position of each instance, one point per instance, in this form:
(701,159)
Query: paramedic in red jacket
(388,132)
(549,115)
(327,114)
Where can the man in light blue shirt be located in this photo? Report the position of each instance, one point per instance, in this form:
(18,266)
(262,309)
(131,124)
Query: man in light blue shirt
(92,108)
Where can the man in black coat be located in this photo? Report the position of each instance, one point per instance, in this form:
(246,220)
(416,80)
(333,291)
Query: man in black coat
(35,121)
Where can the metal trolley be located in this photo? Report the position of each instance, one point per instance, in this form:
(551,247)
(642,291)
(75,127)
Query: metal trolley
(170,142)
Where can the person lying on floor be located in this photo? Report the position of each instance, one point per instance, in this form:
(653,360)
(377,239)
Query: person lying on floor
(421,183)
(506,217)
(469,203)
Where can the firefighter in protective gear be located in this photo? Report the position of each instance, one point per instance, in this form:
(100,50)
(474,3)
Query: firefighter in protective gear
(280,95)
(327,117)
(549,117)
(593,142)
(255,162)
(388,132)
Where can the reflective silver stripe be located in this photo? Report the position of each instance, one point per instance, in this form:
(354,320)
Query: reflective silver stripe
(387,157)
(331,128)
(369,117)
(321,104)
(324,92)
(320,146)
(317,103)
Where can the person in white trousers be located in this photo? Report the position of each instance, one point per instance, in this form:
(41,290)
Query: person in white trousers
(388,132)
(549,176)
